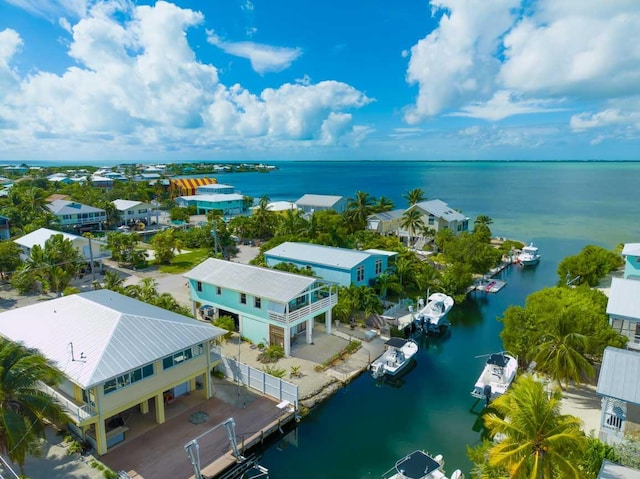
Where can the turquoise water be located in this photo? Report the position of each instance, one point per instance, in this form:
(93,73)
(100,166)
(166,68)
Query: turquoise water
(365,427)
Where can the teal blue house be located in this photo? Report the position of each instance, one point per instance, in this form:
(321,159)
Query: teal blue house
(631,253)
(268,306)
(229,204)
(338,265)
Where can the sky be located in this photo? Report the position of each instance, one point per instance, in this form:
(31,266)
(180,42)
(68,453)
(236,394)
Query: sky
(269,80)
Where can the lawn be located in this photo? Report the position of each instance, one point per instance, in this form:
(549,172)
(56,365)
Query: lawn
(184,262)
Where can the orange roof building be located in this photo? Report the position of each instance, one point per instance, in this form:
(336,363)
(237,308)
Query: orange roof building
(188,186)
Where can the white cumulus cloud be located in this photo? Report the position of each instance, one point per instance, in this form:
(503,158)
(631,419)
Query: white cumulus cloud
(263,58)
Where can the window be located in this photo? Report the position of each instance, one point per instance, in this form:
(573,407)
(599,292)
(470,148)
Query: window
(128,378)
(257,303)
(218,290)
(378,266)
(243,298)
(199,286)
(432,220)
(182,356)
(359,274)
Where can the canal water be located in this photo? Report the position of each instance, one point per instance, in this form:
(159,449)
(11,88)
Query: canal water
(363,429)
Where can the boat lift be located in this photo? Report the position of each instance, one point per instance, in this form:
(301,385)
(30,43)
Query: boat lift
(192,449)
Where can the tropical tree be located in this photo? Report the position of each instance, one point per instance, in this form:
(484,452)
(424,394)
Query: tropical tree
(9,258)
(589,266)
(536,441)
(358,210)
(483,220)
(25,409)
(414,196)
(164,245)
(113,281)
(263,219)
(411,220)
(386,282)
(383,204)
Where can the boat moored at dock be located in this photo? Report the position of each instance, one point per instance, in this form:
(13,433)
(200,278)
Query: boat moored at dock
(398,355)
(529,256)
(497,375)
(420,465)
(433,317)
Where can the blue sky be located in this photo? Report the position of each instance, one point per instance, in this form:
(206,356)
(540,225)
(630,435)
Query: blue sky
(268,80)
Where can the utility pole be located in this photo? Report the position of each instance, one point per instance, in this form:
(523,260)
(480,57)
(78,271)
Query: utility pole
(93,270)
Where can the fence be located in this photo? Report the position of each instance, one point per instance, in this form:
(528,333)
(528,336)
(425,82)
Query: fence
(259,380)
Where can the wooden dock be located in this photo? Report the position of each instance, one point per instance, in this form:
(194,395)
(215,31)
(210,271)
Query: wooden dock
(488,283)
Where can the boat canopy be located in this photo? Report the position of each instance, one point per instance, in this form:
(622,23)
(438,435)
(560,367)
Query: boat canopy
(416,465)
(396,342)
(499,359)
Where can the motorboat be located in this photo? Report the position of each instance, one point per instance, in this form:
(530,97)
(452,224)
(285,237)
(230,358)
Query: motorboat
(397,356)
(497,375)
(433,317)
(529,256)
(420,465)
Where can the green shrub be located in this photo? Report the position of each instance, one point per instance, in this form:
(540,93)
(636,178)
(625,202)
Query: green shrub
(109,474)
(274,371)
(69,290)
(271,354)
(74,446)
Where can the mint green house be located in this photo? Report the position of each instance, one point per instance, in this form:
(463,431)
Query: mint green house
(631,253)
(269,306)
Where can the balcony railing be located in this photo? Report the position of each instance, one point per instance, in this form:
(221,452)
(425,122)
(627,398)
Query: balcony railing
(77,412)
(306,311)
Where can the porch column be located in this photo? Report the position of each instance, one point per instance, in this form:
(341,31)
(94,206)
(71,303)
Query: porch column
(101,437)
(327,321)
(192,384)
(144,406)
(309,330)
(287,340)
(159,408)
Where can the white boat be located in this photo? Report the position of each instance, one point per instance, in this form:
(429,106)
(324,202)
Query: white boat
(397,356)
(497,375)
(433,316)
(529,256)
(420,465)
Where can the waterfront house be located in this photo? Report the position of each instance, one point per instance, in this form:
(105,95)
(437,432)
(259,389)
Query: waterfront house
(269,306)
(385,223)
(229,204)
(147,177)
(438,215)
(90,249)
(5,232)
(339,265)
(132,212)
(76,216)
(619,388)
(279,207)
(309,203)
(623,309)
(631,253)
(188,186)
(118,356)
(101,181)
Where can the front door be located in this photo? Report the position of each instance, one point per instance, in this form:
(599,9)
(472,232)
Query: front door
(276,335)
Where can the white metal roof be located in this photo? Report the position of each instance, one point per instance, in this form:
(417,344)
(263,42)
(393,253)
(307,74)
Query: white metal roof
(341,258)
(380,252)
(65,207)
(266,283)
(124,205)
(623,298)
(619,378)
(440,209)
(631,249)
(326,201)
(40,236)
(388,215)
(114,333)
(611,470)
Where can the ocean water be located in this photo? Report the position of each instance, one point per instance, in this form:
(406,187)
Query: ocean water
(363,429)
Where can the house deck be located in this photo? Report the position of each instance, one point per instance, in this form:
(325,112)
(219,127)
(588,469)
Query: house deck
(151,450)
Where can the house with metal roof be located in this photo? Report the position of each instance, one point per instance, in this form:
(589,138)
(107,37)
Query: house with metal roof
(309,203)
(76,216)
(279,207)
(229,204)
(132,212)
(386,223)
(611,470)
(631,253)
(619,387)
(268,306)
(187,186)
(338,265)
(215,189)
(92,250)
(101,181)
(438,215)
(117,355)
(623,309)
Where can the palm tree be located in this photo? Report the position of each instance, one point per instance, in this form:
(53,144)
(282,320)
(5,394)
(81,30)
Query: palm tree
(24,408)
(358,209)
(414,196)
(386,282)
(411,220)
(483,220)
(561,352)
(383,204)
(536,439)
(113,281)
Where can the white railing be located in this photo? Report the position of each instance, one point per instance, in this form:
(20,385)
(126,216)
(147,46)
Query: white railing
(79,412)
(305,311)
